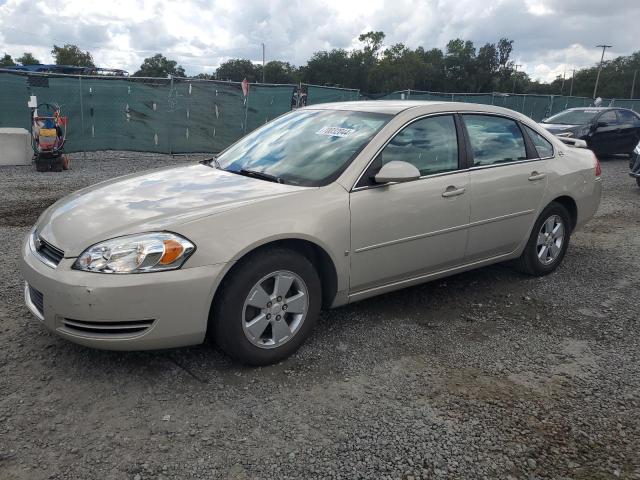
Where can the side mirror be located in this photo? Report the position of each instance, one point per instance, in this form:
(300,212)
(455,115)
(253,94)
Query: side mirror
(397,171)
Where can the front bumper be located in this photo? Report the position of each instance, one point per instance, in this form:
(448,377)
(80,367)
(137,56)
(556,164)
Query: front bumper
(120,312)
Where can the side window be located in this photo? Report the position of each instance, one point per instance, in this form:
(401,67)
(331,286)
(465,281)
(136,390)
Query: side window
(609,117)
(627,117)
(544,148)
(494,139)
(431,144)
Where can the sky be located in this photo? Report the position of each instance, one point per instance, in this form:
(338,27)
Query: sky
(551,36)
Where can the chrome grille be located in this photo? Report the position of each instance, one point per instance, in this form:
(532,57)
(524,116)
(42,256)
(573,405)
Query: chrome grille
(48,251)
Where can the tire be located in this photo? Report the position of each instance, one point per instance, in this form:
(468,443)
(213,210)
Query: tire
(231,314)
(56,164)
(638,181)
(530,261)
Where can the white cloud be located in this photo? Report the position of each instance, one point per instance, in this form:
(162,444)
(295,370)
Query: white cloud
(550,35)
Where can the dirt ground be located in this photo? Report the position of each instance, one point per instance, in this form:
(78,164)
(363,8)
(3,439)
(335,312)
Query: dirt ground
(488,374)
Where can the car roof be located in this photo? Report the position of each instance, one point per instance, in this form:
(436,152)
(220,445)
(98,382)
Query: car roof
(374,106)
(394,107)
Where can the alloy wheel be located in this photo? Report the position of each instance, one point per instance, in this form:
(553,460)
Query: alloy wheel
(550,240)
(275,309)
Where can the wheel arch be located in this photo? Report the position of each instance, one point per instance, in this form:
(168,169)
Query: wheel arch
(315,253)
(572,207)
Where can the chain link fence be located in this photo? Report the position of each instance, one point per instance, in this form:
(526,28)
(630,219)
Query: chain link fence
(183,115)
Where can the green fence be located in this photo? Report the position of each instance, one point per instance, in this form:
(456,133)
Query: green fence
(317,94)
(145,114)
(183,115)
(534,106)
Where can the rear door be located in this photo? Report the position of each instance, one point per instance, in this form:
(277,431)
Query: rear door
(629,131)
(507,182)
(605,138)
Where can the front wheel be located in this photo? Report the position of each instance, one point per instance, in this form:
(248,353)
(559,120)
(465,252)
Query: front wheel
(548,242)
(267,307)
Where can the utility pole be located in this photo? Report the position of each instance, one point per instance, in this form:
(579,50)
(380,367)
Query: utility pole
(633,84)
(515,75)
(595,88)
(573,75)
(564,76)
(263,63)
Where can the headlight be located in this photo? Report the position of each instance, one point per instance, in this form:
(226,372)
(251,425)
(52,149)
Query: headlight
(148,252)
(637,149)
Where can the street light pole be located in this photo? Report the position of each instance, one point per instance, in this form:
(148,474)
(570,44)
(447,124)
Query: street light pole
(263,63)
(595,88)
(572,77)
(515,74)
(633,84)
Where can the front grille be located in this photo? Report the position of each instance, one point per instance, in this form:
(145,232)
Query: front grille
(49,252)
(37,299)
(128,328)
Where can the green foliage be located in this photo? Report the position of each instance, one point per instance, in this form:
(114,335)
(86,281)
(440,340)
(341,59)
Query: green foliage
(27,58)
(238,69)
(280,72)
(7,61)
(71,55)
(159,66)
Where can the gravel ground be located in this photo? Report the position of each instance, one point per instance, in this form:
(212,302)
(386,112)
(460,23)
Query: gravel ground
(488,374)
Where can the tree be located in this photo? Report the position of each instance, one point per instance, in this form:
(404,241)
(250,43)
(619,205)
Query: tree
(280,72)
(237,70)
(7,61)
(159,66)
(71,55)
(27,58)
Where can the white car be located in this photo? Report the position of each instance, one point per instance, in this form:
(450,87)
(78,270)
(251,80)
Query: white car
(321,207)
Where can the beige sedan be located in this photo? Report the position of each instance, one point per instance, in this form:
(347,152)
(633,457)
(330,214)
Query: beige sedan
(323,206)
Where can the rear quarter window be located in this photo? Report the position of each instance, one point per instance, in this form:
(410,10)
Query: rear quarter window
(543,146)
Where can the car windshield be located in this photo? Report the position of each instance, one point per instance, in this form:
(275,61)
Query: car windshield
(573,117)
(305,147)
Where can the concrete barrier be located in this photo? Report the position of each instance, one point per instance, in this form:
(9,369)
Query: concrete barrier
(15,146)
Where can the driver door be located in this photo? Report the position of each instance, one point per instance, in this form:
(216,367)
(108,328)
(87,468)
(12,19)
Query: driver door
(404,230)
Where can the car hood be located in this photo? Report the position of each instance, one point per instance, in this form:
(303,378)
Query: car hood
(149,201)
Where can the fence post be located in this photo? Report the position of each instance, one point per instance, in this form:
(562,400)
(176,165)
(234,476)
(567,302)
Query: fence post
(84,153)
(171,112)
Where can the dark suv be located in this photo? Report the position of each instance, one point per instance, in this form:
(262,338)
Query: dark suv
(606,130)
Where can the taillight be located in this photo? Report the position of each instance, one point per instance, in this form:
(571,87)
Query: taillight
(598,169)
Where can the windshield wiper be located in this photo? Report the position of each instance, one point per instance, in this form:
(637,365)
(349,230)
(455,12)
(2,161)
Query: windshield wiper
(261,175)
(211,160)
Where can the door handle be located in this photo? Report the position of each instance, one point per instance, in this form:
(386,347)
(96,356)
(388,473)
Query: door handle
(536,176)
(452,191)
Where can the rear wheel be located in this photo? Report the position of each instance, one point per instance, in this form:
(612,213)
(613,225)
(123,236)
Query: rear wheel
(267,307)
(548,242)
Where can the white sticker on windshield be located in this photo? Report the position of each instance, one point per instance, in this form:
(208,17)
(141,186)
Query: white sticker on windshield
(335,131)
